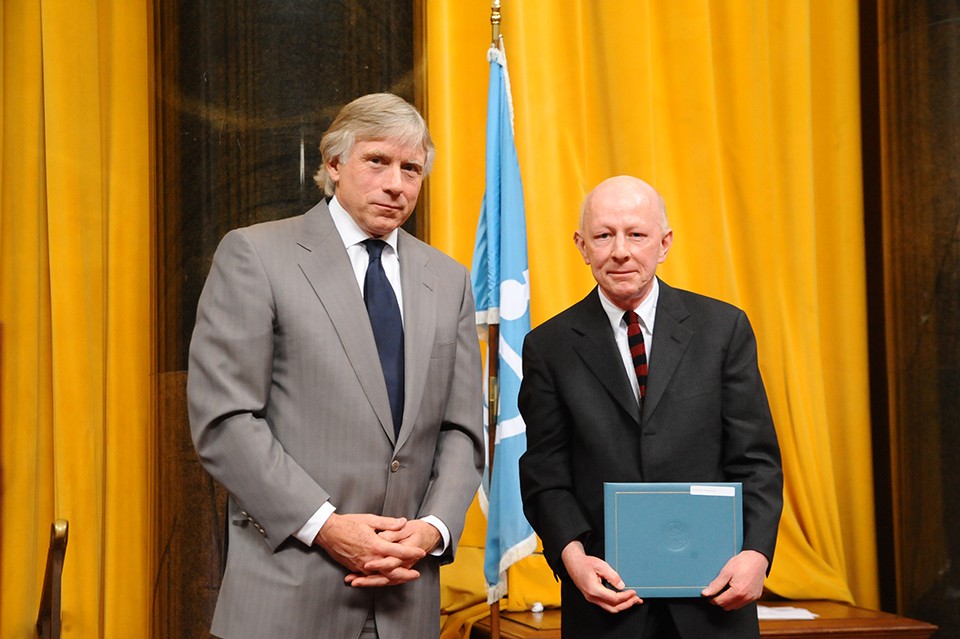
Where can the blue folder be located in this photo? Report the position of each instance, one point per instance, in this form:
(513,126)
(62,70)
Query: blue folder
(671,539)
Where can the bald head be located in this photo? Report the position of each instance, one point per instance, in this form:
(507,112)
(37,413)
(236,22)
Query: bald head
(625,190)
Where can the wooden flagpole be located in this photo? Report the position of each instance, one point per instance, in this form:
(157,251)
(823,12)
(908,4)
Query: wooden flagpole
(493,408)
(493,363)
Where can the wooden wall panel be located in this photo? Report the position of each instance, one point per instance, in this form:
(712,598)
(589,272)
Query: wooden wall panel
(919,80)
(189,523)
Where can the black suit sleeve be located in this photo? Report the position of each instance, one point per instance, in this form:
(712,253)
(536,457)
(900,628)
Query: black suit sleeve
(751,454)
(546,481)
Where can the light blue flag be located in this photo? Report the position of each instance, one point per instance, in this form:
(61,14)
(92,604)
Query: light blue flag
(501,287)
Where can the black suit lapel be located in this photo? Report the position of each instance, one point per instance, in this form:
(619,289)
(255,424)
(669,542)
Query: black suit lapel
(670,341)
(596,345)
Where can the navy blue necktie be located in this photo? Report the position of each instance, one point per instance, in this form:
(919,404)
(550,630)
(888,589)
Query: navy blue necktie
(387,326)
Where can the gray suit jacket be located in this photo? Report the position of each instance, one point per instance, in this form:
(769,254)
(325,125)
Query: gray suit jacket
(288,408)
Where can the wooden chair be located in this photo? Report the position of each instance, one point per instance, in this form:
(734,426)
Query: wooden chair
(48,619)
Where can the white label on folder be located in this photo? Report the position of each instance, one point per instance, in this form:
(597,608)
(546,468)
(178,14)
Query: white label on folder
(713,491)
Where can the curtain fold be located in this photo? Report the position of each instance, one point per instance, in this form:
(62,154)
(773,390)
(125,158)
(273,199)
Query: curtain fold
(75,259)
(745,116)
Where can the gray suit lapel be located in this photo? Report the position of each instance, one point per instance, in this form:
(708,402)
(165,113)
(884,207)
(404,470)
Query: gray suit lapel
(597,347)
(419,325)
(326,266)
(671,339)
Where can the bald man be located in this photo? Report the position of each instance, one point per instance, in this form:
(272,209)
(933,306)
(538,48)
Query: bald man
(694,411)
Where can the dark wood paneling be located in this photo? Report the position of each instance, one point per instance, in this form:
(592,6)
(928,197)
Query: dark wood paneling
(876,301)
(245,91)
(919,78)
(189,523)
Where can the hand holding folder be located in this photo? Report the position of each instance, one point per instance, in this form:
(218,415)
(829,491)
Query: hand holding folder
(599,583)
(739,582)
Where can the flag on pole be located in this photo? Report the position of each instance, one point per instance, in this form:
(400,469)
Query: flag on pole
(501,287)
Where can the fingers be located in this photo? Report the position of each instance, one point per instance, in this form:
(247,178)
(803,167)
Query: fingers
(378,551)
(379,580)
(612,593)
(352,541)
(717,585)
(393,536)
(614,601)
(739,582)
(380,523)
(415,533)
(400,556)
(590,573)
(608,590)
(607,574)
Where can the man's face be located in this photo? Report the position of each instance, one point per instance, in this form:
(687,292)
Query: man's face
(622,241)
(378,184)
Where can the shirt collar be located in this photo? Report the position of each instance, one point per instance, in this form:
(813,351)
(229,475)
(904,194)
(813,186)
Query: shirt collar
(350,232)
(647,311)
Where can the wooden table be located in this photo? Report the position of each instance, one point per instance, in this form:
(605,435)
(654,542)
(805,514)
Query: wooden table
(835,620)
(521,625)
(842,620)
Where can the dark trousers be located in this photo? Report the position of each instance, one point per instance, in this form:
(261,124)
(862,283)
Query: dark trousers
(659,623)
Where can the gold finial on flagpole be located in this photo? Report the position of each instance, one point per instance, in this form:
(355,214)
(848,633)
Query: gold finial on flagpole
(495,21)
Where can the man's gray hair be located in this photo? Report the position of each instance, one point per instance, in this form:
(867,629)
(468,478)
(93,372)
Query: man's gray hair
(377,116)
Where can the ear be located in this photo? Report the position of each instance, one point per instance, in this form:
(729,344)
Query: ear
(333,169)
(581,245)
(666,241)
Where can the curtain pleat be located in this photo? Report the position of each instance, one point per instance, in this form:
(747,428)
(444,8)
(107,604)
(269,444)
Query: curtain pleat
(75,252)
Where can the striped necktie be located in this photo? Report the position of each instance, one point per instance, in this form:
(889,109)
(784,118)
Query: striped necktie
(638,351)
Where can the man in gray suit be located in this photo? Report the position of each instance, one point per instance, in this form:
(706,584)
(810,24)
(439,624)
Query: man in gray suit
(334,391)
(596,412)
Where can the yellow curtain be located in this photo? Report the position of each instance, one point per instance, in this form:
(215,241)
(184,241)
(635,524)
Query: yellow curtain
(745,115)
(75,312)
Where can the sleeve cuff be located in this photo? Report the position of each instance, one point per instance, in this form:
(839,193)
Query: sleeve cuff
(444,534)
(310,529)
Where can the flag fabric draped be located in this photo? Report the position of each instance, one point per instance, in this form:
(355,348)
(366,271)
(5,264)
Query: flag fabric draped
(501,287)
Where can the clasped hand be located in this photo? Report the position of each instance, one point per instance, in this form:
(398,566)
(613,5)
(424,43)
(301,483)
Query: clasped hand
(379,551)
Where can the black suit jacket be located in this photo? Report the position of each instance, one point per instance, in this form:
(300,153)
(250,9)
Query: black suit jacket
(705,418)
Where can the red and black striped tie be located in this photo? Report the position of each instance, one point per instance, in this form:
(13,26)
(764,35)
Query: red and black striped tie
(638,351)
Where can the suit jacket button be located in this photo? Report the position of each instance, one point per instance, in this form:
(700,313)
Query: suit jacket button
(394,466)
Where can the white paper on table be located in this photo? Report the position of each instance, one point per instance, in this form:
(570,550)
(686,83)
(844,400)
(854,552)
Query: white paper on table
(784,612)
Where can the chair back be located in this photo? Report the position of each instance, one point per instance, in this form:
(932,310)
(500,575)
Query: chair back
(48,619)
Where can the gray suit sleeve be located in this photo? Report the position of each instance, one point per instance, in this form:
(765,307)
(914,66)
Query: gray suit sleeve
(459,459)
(228,386)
